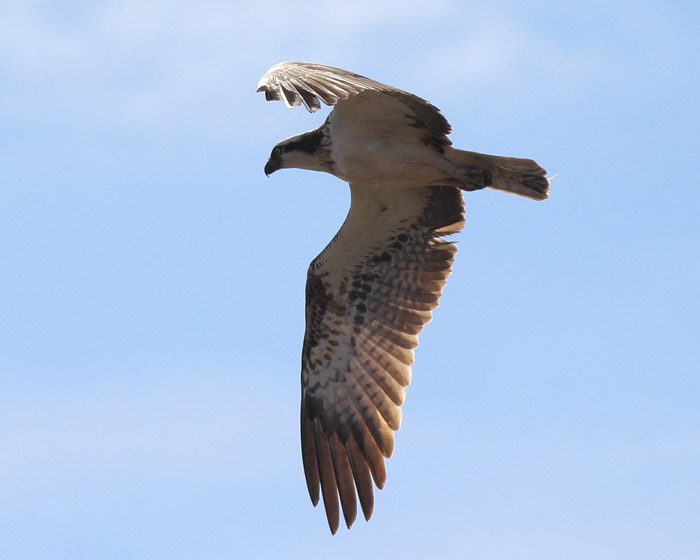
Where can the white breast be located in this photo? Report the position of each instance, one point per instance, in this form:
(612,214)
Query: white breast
(376,144)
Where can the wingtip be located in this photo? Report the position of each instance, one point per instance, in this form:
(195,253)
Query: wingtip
(333,522)
(314,499)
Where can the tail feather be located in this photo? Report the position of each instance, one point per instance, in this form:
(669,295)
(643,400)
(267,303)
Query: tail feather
(516,175)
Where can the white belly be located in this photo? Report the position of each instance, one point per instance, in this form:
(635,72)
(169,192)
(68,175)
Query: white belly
(391,156)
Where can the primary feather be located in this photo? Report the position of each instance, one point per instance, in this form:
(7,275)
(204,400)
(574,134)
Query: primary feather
(373,288)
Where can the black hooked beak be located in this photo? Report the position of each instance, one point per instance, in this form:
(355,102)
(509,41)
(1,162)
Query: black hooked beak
(272,165)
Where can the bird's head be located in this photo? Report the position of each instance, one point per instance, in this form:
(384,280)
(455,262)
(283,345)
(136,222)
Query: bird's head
(303,151)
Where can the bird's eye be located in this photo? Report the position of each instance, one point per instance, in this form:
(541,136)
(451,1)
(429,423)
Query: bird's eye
(277,151)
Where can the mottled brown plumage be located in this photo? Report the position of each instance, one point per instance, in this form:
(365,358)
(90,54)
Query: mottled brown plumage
(362,327)
(373,288)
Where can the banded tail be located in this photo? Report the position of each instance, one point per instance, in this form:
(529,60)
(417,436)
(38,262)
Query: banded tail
(516,175)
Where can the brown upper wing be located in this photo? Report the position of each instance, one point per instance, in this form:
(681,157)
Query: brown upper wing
(368,295)
(308,84)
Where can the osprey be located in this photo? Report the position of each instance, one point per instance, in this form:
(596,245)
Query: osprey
(373,288)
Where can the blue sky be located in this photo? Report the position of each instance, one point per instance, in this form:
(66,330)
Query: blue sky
(151,283)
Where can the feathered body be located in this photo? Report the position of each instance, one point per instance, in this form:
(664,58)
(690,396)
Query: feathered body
(373,288)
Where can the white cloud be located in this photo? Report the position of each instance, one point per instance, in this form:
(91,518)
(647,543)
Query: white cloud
(125,61)
(129,61)
(122,60)
(499,52)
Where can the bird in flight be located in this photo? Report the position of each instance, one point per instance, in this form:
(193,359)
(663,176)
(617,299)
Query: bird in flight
(373,288)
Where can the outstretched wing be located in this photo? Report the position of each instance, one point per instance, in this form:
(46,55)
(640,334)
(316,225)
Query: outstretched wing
(368,295)
(307,83)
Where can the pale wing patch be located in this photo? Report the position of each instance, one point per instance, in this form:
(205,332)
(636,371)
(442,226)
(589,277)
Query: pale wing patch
(306,83)
(309,84)
(369,294)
